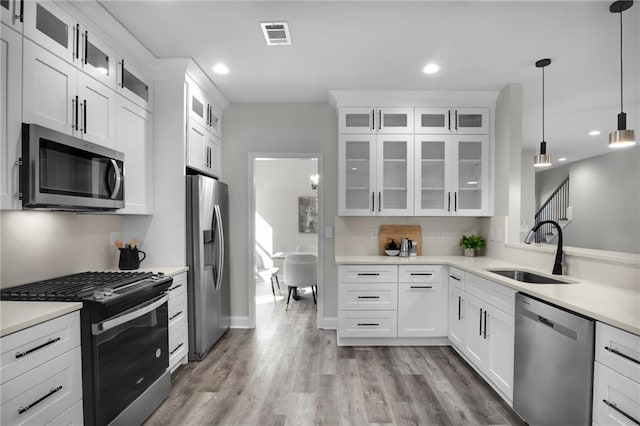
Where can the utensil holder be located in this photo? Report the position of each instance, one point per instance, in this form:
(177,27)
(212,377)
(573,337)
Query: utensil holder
(130,258)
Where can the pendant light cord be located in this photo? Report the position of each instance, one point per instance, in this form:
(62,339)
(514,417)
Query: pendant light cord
(621,95)
(542,104)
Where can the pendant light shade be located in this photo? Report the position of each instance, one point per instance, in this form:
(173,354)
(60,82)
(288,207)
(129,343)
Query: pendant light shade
(622,137)
(542,159)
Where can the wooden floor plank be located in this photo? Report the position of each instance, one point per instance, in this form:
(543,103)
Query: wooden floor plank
(287,372)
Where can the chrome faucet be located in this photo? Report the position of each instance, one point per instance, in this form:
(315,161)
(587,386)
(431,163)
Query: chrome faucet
(557,265)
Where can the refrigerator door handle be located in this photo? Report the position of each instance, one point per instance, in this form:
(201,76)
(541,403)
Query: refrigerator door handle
(221,245)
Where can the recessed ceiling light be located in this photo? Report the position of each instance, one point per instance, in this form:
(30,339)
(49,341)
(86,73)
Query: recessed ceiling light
(564,159)
(594,132)
(431,68)
(220,68)
(472,182)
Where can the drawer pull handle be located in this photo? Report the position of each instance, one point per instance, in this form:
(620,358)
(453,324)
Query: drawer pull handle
(421,286)
(51,392)
(368,274)
(615,407)
(421,274)
(455,278)
(175,287)
(176,349)
(368,297)
(27,352)
(617,352)
(372,324)
(175,316)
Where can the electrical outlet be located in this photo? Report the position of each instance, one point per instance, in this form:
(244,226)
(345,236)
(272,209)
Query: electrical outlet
(114,236)
(441,234)
(491,236)
(328,232)
(374,233)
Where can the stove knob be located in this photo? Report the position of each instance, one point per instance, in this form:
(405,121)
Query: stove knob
(160,274)
(98,295)
(108,292)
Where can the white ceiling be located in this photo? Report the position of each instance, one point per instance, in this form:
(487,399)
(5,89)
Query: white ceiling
(384,45)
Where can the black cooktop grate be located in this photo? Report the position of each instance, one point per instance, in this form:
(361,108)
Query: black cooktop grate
(71,287)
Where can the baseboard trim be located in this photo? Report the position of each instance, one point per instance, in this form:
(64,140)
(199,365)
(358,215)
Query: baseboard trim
(239,322)
(393,341)
(328,323)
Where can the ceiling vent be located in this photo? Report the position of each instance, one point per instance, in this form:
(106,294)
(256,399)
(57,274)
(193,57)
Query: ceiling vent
(276,33)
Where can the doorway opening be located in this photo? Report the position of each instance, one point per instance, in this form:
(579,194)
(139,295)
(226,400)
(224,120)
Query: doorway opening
(286,203)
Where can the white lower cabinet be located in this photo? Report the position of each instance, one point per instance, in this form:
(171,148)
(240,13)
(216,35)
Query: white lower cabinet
(178,325)
(482,327)
(616,377)
(421,301)
(41,378)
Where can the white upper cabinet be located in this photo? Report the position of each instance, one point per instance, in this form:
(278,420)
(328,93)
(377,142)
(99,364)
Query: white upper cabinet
(452,120)
(357,175)
(48,25)
(203,137)
(388,120)
(202,110)
(12,13)
(97,58)
(394,175)
(11,108)
(470,175)
(432,175)
(97,111)
(134,84)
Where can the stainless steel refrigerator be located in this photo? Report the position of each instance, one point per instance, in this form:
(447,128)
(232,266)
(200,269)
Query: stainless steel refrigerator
(208,261)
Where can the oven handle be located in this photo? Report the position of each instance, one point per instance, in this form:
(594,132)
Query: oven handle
(118,174)
(143,309)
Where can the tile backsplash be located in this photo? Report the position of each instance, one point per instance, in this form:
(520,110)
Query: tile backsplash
(36,245)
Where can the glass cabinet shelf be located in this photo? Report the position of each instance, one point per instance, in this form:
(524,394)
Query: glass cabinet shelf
(434,188)
(394,188)
(357,188)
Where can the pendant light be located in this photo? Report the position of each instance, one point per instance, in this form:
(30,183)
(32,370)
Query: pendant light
(543,159)
(622,137)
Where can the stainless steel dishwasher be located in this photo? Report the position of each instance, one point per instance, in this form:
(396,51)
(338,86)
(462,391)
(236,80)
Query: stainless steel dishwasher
(553,367)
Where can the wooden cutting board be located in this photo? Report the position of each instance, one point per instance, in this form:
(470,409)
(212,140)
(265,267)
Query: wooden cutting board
(398,232)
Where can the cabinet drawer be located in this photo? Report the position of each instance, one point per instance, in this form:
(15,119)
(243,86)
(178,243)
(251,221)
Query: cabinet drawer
(618,350)
(177,342)
(456,277)
(494,294)
(476,286)
(41,394)
(367,323)
(611,390)
(419,273)
(71,417)
(177,308)
(367,273)
(28,348)
(379,296)
(179,285)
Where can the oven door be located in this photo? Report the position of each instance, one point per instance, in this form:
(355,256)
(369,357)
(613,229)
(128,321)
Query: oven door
(131,352)
(65,172)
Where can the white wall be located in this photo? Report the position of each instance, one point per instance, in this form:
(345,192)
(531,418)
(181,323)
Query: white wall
(37,245)
(279,183)
(604,193)
(275,128)
(527,201)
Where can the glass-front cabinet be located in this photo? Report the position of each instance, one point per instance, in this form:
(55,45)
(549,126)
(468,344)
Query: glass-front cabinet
(376,175)
(452,120)
(471,175)
(48,25)
(432,175)
(12,13)
(386,120)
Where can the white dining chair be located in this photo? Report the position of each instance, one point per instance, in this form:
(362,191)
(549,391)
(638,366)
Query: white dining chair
(300,270)
(307,248)
(267,274)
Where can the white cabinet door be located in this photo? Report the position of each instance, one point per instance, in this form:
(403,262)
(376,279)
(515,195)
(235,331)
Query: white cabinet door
(471,121)
(97,112)
(134,84)
(420,310)
(49,90)
(616,398)
(457,327)
(11,112)
(433,121)
(214,121)
(476,346)
(197,146)
(213,146)
(356,120)
(97,58)
(356,174)
(10,11)
(393,120)
(394,175)
(432,194)
(470,180)
(135,140)
(500,335)
(198,106)
(48,25)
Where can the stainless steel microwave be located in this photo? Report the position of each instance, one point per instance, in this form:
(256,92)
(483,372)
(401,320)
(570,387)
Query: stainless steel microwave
(62,172)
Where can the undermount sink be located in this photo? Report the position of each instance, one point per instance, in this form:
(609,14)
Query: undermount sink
(526,277)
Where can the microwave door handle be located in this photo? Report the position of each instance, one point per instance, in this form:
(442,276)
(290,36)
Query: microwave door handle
(103,326)
(220,245)
(118,174)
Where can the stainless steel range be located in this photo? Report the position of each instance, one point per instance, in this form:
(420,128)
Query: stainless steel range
(124,336)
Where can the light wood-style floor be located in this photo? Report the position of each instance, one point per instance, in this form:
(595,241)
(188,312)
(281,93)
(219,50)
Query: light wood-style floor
(287,372)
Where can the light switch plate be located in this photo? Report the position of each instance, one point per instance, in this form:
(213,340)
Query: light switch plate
(328,232)
(374,233)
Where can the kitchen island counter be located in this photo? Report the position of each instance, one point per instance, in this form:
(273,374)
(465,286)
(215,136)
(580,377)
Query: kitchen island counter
(611,305)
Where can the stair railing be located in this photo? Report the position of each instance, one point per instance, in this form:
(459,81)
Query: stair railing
(555,208)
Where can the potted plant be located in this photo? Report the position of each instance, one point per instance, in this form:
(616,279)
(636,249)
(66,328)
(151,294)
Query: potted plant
(472,244)
(391,247)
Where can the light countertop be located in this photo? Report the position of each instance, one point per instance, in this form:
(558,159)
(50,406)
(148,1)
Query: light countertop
(16,316)
(167,270)
(611,305)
